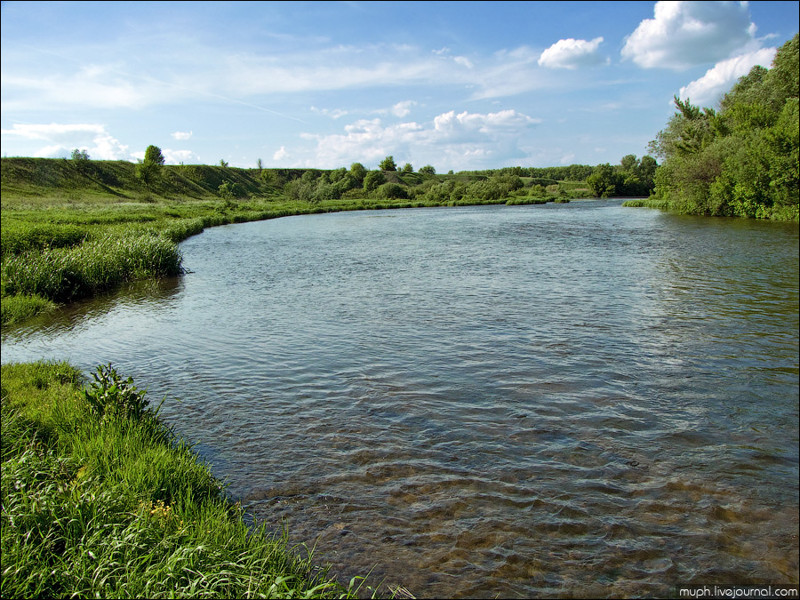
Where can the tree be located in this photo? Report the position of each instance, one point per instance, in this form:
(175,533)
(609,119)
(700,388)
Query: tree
(407,168)
(222,162)
(373,180)
(79,155)
(603,181)
(153,155)
(392,190)
(358,171)
(388,164)
(740,161)
(427,170)
(149,170)
(260,164)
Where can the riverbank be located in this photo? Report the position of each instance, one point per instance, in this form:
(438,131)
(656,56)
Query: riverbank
(100,499)
(73,230)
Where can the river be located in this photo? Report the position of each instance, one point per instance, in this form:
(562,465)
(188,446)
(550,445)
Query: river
(558,400)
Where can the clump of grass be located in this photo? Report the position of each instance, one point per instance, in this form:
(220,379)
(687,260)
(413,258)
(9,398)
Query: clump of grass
(116,506)
(527,200)
(16,309)
(67,274)
(25,237)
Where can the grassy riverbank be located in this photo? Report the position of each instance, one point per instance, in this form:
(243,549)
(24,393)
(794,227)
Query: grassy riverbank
(75,229)
(100,500)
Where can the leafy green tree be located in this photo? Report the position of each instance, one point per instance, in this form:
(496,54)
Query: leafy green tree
(79,155)
(392,190)
(153,155)
(259,164)
(743,160)
(222,162)
(373,180)
(604,181)
(407,168)
(358,172)
(229,190)
(388,164)
(427,170)
(149,170)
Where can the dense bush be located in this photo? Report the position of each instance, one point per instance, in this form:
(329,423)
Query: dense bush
(743,160)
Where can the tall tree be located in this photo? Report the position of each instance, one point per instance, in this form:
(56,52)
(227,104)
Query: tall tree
(149,170)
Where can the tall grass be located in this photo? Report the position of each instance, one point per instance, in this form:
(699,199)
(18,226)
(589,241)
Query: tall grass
(66,274)
(16,309)
(19,238)
(115,506)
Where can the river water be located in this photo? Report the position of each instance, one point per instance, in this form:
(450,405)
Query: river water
(560,400)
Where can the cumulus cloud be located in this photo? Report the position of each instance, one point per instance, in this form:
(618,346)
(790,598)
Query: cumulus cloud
(571,54)
(60,139)
(685,34)
(720,79)
(464,140)
(181,135)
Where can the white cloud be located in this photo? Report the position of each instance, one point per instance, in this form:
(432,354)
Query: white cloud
(176,157)
(463,61)
(49,131)
(720,79)
(181,135)
(333,113)
(571,54)
(62,138)
(403,109)
(280,154)
(685,34)
(451,140)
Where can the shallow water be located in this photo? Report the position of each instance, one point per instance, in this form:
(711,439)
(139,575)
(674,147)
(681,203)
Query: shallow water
(560,400)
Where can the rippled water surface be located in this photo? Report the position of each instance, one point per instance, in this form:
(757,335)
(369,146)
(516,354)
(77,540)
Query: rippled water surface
(566,400)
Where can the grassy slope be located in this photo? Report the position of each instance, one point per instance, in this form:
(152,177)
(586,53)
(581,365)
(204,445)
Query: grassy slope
(115,506)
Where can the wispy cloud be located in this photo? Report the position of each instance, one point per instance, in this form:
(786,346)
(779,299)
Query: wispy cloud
(181,135)
(121,82)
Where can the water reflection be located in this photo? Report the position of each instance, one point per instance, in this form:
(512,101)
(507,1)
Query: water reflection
(148,297)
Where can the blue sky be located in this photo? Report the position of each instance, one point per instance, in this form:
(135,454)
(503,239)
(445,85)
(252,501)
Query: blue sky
(455,85)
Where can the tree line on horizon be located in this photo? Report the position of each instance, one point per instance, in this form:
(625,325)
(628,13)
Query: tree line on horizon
(631,177)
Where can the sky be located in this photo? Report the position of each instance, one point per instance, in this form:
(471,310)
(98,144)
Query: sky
(455,85)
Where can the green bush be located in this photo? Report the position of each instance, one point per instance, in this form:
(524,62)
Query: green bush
(111,397)
(392,190)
